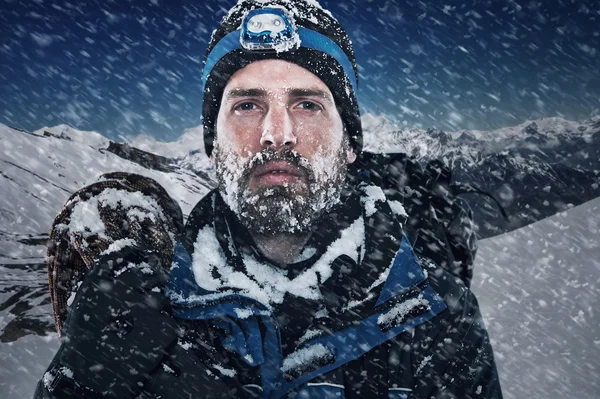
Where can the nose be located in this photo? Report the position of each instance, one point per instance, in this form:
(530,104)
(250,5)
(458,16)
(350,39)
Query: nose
(278,129)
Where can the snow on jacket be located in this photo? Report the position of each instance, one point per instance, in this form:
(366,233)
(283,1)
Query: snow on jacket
(384,329)
(373,321)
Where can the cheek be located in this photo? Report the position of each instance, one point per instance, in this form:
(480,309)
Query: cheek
(323,138)
(236,137)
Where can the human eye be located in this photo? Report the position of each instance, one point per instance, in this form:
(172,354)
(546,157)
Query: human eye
(245,106)
(308,105)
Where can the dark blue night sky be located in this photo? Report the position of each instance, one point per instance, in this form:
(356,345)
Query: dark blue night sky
(130,67)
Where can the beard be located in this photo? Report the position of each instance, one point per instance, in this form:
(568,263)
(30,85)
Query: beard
(291,209)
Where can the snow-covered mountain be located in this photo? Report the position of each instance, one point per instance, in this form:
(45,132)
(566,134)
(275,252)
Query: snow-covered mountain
(552,140)
(535,169)
(40,170)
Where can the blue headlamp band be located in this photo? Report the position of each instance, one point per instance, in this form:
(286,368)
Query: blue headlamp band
(308,39)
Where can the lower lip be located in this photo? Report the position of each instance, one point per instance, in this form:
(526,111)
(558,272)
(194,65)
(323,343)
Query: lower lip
(277,179)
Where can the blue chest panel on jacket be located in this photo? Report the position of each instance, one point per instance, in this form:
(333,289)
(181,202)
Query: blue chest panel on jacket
(405,301)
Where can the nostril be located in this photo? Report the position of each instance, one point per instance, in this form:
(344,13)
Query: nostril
(291,141)
(278,140)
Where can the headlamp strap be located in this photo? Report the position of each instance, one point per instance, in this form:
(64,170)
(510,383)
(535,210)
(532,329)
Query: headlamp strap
(274,29)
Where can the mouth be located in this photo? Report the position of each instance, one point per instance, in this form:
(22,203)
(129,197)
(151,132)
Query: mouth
(277,173)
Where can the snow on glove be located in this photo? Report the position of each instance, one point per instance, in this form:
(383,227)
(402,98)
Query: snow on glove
(112,244)
(121,209)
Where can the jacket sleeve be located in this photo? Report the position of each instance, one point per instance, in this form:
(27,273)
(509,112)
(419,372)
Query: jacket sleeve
(117,331)
(462,239)
(453,357)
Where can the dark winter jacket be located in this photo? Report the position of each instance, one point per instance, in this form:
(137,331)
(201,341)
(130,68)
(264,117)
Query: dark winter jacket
(439,224)
(368,319)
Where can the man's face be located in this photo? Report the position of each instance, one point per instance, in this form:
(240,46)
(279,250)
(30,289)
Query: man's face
(280,152)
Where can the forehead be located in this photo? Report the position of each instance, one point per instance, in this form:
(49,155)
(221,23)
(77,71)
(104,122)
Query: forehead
(275,75)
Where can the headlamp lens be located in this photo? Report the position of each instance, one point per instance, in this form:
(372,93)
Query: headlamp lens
(265,23)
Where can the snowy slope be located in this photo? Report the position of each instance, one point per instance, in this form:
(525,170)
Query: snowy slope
(38,172)
(539,291)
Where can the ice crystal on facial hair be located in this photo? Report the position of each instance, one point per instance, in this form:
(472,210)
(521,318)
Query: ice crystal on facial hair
(288,208)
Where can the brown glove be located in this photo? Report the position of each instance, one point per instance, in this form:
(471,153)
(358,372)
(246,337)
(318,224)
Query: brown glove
(122,209)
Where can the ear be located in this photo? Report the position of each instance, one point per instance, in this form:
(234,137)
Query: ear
(212,159)
(350,155)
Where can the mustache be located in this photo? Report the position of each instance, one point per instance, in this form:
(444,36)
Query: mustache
(287,155)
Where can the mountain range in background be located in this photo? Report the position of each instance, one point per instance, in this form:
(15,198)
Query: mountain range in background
(535,169)
(546,273)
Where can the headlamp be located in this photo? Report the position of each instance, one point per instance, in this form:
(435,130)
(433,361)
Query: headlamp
(269,29)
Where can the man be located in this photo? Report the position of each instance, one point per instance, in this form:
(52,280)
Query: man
(292,279)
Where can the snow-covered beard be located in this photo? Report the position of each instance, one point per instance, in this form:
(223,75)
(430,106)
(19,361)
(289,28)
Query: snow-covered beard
(282,209)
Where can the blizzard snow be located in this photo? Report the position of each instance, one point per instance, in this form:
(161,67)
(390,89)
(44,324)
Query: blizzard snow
(538,286)
(464,65)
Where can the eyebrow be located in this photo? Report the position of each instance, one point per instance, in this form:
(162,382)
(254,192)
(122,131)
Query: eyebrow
(297,92)
(235,93)
(311,93)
